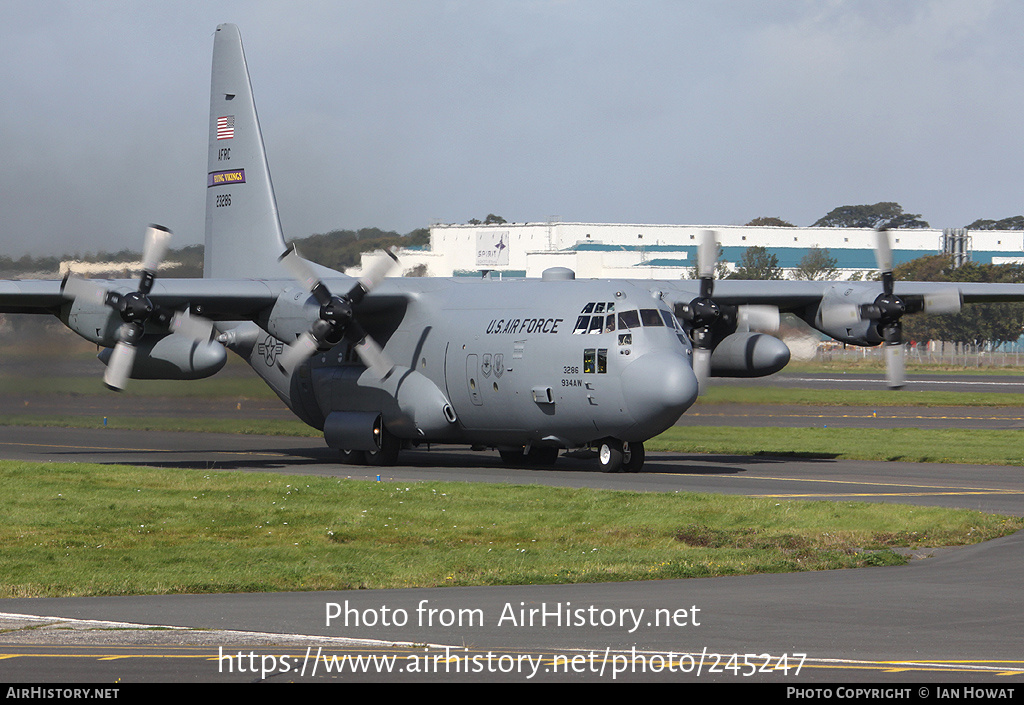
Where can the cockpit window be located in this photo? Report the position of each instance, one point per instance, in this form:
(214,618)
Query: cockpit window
(629,319)
(651,317)
(600,323)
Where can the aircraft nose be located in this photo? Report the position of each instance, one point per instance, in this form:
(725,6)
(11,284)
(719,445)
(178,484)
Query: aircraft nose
(659,387)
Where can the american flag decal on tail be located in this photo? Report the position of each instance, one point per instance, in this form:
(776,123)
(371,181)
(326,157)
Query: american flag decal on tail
(226,127)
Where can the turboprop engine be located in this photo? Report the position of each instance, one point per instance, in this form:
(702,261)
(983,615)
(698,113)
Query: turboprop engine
(120,318)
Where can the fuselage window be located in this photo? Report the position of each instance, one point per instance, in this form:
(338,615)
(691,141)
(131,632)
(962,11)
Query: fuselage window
(595,361)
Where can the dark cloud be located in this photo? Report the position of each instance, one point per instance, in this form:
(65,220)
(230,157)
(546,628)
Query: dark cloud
(393,114)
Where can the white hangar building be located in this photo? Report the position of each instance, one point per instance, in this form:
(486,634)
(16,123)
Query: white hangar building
(602,250)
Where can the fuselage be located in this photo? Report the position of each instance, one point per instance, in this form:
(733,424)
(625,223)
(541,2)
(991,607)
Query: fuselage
(518,362)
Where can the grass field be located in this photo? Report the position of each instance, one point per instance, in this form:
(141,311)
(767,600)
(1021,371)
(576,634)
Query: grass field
(106,530)
(729,394)
(915,445)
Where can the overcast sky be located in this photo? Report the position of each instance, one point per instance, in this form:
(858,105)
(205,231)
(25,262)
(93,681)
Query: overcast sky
(398,113)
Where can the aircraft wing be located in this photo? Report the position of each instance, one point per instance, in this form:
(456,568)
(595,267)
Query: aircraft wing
(792,296)
(220,299)
(216,299)
(786,295)
(30,296)
(243,299)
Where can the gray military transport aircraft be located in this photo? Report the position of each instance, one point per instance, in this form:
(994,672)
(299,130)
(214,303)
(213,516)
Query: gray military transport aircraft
(526,366)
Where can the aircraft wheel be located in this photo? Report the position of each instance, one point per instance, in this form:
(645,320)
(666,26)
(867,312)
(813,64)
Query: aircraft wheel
(389,447)
(633,456)
(353,457)
(609,455)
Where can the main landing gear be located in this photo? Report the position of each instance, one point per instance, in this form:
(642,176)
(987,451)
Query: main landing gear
(384,456)
(614,455)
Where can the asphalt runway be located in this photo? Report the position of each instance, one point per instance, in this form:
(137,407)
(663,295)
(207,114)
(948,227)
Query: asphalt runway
(954,615)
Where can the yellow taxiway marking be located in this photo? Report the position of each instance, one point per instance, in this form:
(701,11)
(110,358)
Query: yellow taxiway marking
(941,488)
(925,489)
(912,490)
(874,494)
(686,663)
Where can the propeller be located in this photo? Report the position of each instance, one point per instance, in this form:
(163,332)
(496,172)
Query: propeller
(136,309)
(336,319)
(702,312)
(704,315)
(887,309)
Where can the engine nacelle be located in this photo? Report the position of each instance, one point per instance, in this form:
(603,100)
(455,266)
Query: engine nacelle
(95,322)
(838,315)
(292,314)
(174,357)
(748,355)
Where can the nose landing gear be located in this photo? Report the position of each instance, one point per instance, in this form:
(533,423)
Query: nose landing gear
(614,455)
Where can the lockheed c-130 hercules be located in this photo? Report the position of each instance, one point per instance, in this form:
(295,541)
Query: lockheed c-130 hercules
(526,366)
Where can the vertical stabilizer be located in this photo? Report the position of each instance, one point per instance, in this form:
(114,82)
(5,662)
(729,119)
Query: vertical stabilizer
(243,229)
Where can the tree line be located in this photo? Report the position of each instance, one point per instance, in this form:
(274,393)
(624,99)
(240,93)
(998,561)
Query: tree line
(338,249)
(886,214)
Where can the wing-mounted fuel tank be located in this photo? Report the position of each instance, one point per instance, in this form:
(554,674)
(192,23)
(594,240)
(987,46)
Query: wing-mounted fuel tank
(745,354)
(173,357)
(409,404)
